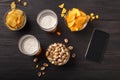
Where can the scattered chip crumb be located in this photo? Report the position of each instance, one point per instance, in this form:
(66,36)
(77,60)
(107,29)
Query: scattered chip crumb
(73,55)
(61,5)
(93,18)
(59,33)
(66,40)
(97,16)
(70,47)
(64,10)
(19,0)
(39,74)
(91,14)
(25,4)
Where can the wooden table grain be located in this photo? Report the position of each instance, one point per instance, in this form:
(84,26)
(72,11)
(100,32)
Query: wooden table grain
(16,66)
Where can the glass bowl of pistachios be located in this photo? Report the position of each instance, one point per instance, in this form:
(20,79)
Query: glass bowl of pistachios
(57,54)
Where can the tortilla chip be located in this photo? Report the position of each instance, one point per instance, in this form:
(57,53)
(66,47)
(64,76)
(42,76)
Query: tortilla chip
(70,24)
(64,10)
(61,5)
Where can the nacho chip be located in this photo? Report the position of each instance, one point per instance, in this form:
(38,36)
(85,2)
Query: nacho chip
(61,5)
(97,16)
(70,24)
(70,16)
(64,10)
(80,20)
(73,28)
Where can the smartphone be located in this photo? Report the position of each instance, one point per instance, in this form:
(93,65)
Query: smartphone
(96,46)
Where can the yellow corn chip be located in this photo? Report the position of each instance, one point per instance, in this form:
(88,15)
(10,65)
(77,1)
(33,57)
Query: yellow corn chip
(97,16)
(61,5)
(80,20)
(19,0)
(73,28)
(64,10)
(70,16)
(62,15)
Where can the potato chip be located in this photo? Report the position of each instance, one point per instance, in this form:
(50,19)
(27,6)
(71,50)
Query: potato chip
(13,5)
(18,12)
(73,28)
(22,19)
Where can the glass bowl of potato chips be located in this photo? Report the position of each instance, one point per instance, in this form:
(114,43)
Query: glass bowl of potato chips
(15,19)
(76,19)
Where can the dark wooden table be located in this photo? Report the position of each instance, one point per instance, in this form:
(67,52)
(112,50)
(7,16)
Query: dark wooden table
(16,66)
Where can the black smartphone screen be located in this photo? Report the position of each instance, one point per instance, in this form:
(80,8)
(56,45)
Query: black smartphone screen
(97,46)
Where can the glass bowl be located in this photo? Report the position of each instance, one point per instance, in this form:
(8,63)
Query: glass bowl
(58,54)
(42,15)
(9,27)
(83,27)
